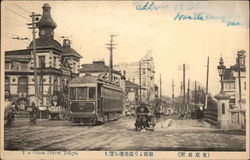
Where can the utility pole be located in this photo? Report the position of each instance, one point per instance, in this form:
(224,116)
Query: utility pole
(181,88)
(206,97)
(172,89)
(188,90)
(160,87)
(140,80)
(184,88)
(35,17)
(110,47)
(195,95)
(238,64)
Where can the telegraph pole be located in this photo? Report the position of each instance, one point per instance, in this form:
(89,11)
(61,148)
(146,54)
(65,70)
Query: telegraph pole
(160,87)
(205,107)
(195,94)
(35,18)
(172,89)
(110,47)
(188,90)
(181,88)
(238,64)
(140,79)
(184,88)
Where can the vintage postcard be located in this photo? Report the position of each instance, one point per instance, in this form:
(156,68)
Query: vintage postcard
(124,80)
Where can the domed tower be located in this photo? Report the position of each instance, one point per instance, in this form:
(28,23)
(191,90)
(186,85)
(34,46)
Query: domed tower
(46,24)
(46,27)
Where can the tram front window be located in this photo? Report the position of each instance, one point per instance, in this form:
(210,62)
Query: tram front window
(82,93)
(92,94)
(73,93)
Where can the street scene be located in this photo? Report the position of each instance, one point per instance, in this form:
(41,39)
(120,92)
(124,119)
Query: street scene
(87,77)
(171,134)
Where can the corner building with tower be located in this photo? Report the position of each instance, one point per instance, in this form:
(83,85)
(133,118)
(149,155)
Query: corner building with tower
(56,64)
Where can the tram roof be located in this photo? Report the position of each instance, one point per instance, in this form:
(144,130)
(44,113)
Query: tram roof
(84,79)
(90,79)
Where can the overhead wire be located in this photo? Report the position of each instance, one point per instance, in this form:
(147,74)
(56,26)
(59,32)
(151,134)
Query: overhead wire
(22,9)
(18,14)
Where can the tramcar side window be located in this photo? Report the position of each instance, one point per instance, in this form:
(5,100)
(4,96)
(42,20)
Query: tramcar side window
(72,93)
(92,94)
(82,93)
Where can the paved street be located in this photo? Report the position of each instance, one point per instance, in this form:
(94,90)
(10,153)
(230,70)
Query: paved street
(169,134)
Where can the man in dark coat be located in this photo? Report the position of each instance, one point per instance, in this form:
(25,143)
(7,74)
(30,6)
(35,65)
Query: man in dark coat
(10,117)
(33,113)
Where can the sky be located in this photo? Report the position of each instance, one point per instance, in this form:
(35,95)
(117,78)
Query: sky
(174,32)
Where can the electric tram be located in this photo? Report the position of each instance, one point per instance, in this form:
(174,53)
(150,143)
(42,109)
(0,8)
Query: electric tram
(93,100)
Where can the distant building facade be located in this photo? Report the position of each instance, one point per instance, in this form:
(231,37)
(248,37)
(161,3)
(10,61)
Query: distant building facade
(131,97)
(98,68)
(56,65)
(147,75)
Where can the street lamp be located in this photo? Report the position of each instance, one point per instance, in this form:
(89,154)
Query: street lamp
(221,69)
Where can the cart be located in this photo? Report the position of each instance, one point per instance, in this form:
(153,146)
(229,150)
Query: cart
(145,121)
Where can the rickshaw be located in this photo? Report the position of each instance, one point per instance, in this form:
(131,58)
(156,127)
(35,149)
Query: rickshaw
(145,120)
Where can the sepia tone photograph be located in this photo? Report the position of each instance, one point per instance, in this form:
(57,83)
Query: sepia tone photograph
(125,79)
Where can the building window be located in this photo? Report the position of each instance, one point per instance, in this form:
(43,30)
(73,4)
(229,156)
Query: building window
(74,67)
(7,88)
(22,85)
(232,101)
(232,86)
(24,66)
(245,86)
(144,81)
(54,63)
(41,61)
(7,65)
(15,66)
(223,108)
(55,84)
(7,83)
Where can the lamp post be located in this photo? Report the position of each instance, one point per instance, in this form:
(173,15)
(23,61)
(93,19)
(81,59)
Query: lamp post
(221,69)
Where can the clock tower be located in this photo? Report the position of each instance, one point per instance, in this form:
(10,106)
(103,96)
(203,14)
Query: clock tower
(46,24)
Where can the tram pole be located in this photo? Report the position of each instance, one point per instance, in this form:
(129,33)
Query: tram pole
(111,47)
(34,18)
(140,80)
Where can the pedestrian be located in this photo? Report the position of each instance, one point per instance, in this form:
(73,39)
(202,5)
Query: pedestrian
(10,115)
(33,113)
(13,110)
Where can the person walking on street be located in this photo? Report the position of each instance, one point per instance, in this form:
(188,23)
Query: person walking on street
(33,113)
(13,109)
(9,117)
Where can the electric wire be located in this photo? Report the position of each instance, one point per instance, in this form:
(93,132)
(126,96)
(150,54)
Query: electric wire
(18,14)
